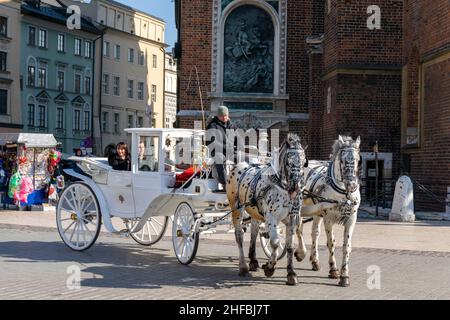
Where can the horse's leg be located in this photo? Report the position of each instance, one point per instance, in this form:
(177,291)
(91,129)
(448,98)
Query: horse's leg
(239,234)
(300,252)
(254,265)
(347,249)
(315,233)
(291,227)
(331,244)
(271,224)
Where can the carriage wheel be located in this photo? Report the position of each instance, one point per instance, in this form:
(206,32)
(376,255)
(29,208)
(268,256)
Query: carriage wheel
(78,217)
(151,232)
(184,238)
(265,243)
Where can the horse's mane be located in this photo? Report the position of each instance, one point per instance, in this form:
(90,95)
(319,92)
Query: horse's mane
(342,142)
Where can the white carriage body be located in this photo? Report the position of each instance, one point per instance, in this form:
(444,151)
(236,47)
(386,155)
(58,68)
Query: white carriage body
(144,194)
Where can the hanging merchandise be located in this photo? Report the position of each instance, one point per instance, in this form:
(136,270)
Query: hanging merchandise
(54,158)
(14,184)
(30,162)
(26,188)
(60,182)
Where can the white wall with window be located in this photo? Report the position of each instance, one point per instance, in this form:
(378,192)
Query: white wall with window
(130,89)
(131,55)
(77,118)
(42,114)
(117,52)
(87,49)
(116,86)
(105,83)
(61,78)
(141,91)
(78,43)
(105,121)
(42,74)
(106,48)
(77,82)
(116,122)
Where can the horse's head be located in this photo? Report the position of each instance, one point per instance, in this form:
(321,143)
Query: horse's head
(292,160)
(346,156)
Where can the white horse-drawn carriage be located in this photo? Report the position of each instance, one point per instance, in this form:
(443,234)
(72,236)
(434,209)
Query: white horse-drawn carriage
(145,197)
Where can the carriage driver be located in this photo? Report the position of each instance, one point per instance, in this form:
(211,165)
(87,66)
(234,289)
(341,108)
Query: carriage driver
(217,142)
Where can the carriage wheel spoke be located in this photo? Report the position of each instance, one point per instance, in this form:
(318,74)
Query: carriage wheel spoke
(156,221)
(69,226)
(149,233)
(153,227)
(73,231)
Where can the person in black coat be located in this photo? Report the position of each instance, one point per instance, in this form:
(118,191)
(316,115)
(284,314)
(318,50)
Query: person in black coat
(120,159)
(217,141)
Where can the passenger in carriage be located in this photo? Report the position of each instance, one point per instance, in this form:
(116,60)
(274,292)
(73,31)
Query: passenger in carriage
(120,159)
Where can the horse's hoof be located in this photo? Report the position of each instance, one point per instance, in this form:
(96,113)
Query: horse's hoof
(300,256)
(292,280)
(254,265)
(268,271)
(334,274)
(315,266)
(344,282)
(244,272)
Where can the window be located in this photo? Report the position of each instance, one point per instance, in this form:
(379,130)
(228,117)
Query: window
(116,86)
(106,49)
(3,102)
(61,42)
(105,117)
(3,26)
(77,120)
(141,58)
(153,93)
(42,109)
(87,85)
(42,75)
(59,118)
(140,122)
(78,47)
(87,121)
(130,89)
(130,121)
(140,91)
(117,52)
(31,76)
(3,61)
(31,36)
(116,123)
(60,81)
(42,38)
(88,49)
(106,84)
(31,115)
(155,61)
(131,55)
(149,156)
(77,83)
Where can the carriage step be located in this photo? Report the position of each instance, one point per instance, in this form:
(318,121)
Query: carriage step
(219,191)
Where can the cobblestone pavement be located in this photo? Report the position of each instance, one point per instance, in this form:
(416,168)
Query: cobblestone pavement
(34,265)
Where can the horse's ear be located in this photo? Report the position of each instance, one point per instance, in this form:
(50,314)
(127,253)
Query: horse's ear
(341,140)
(358,142)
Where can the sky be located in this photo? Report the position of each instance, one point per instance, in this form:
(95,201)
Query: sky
(161,8)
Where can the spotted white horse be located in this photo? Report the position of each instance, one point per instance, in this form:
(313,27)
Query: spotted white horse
(270,194)
(333,181)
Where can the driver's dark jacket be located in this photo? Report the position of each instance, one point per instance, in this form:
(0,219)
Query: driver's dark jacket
(221,128)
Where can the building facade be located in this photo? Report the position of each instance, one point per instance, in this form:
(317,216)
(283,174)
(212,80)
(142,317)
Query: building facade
(132,69)
(425,124)
(57,74)
(170,92)
(316,68)
(10,39)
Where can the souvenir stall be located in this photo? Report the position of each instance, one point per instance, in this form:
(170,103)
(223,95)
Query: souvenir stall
(27,168)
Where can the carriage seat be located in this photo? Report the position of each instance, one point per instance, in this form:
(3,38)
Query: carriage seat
(181,178)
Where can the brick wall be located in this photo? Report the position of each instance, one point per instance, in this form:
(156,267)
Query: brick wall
(427,40)
(196,38)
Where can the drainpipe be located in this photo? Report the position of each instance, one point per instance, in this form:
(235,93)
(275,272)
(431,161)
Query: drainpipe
(100,91)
